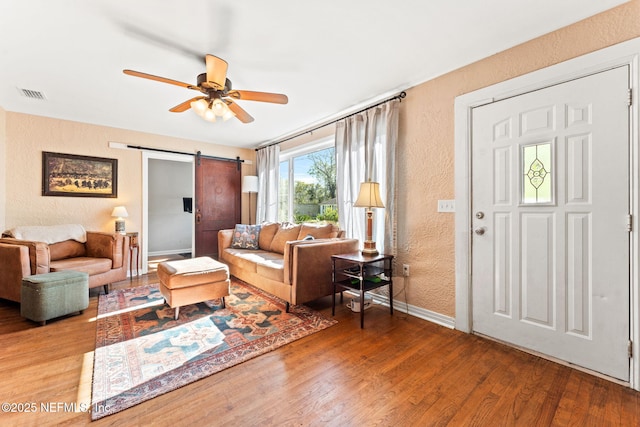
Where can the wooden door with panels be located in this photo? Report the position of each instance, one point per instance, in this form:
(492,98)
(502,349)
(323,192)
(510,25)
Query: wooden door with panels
(217,201)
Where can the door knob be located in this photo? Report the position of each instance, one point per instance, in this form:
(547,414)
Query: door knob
(480,231)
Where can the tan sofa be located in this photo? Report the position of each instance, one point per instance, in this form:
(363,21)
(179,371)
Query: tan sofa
(102,256)
(284,265)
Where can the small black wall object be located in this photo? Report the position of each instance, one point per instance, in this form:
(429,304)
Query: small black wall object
(187,204)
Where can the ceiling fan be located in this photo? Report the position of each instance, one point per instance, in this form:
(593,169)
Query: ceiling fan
(218,98)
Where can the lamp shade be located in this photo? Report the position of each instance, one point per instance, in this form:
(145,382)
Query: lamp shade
(369,196)
(250,184)
(119,212)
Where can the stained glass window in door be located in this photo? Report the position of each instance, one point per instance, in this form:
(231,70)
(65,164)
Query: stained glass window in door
(537,174)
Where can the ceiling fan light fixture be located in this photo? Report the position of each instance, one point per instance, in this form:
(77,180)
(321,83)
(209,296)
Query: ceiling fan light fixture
(199,106)
(228,114)
(219,107)
(215,93)
(209,115)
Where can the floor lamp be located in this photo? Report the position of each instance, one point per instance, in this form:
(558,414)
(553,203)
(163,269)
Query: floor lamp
(250,185)
(369,197)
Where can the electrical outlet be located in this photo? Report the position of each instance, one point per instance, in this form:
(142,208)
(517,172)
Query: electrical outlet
(446,205)
(405,270)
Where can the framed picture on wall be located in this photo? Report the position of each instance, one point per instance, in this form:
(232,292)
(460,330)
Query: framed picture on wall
(78,176)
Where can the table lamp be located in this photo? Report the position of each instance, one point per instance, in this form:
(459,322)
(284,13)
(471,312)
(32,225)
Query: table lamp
(369,197)
(120,212)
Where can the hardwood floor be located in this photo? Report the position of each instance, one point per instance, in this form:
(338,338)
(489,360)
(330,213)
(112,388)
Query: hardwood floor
(398,371)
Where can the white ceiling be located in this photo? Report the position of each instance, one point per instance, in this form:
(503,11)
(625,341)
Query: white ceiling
(330,57)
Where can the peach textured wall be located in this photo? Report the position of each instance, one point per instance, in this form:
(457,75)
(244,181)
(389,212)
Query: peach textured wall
(426,145)
(28,136)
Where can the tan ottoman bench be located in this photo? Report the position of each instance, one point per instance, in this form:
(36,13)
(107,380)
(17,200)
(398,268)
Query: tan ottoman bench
(194,280)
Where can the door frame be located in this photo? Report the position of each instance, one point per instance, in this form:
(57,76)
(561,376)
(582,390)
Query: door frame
(627,53)
(146,155)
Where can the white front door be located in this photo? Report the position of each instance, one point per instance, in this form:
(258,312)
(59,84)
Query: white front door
(550,205)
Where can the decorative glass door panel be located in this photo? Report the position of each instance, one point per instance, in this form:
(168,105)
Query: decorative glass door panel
(537,174)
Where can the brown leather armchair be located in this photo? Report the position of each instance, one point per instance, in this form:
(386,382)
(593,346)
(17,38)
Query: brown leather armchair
(103,256)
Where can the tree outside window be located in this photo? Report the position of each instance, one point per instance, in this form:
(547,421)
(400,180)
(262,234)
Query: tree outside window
(313,176)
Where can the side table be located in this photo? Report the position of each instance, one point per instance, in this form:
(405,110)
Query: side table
(134,246)
(362,273)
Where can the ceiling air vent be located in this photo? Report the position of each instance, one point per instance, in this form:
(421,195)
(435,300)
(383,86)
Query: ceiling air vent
(33,94)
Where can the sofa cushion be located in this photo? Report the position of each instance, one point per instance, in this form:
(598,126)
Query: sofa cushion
(66,249)
(108,245)
(285,234)
(245,237)
(245,259)
(318,232)
(271,269)
(267,231)
(92,266)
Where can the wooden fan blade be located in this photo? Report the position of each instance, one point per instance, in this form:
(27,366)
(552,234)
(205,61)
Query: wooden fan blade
(185,105)
(241,115)
(159,79)
(216,71)
(249,95)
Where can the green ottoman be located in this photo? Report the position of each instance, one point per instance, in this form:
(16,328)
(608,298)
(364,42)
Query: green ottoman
(50,295)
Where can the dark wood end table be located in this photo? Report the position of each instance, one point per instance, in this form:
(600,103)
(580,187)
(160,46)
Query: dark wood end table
(361,273)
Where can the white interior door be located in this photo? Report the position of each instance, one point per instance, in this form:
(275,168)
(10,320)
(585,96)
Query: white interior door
(550,205)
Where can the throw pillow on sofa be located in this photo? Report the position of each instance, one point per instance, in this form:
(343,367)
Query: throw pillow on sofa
(246,237)
(327,231)
(66,249)
(287,232)
(267,231)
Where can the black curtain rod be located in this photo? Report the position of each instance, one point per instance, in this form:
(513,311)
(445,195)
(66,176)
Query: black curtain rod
(400,96)
(198,154)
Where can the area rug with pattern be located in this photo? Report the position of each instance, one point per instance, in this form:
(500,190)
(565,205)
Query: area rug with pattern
(142,352)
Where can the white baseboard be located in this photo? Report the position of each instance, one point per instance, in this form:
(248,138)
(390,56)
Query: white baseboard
(419,312)
(171,252)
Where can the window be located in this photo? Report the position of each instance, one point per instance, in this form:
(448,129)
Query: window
(307,188)
(537,170)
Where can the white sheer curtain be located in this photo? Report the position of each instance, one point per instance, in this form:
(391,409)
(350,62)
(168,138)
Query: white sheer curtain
(268,167)
(366,151)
